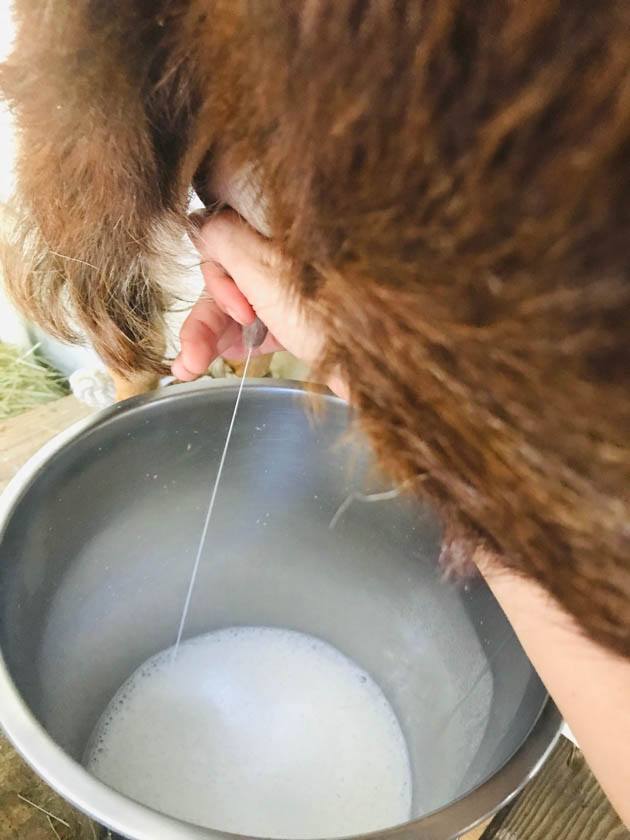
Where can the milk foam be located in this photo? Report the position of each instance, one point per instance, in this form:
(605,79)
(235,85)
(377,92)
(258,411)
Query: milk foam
(259,731)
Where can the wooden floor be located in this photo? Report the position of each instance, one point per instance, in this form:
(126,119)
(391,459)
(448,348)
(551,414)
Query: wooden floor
(23,796)
(564,802)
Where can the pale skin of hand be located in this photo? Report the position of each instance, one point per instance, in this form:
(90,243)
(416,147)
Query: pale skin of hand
(241,271)
(590,685)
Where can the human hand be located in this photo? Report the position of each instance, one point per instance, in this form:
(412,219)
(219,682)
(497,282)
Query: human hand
(242,275)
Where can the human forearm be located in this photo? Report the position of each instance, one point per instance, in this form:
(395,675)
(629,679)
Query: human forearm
(590,685)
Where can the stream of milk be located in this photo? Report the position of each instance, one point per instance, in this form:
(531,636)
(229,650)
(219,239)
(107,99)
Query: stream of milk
(260,731)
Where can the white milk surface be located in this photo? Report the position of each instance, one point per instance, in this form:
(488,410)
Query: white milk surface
(259,731)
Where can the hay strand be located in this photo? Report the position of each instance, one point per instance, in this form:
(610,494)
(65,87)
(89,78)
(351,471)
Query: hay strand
(49,814)
(26,381)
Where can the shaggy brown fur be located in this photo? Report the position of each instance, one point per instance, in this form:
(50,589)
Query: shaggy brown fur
(451,181)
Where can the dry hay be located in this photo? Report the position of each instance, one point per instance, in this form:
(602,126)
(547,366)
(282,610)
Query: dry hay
(26,381)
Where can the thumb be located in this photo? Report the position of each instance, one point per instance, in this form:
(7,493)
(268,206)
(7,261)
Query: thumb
(257,269)
(252,262)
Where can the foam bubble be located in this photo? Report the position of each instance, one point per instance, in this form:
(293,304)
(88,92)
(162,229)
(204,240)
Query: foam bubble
(259,731)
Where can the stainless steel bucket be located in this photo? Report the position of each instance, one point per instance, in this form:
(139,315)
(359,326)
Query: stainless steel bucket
(98,534)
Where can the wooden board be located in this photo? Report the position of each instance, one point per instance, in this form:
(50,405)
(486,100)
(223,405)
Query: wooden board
(564,802)
(30,810)
(22,436)
(476,833)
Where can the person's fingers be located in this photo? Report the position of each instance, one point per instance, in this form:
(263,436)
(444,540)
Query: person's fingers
(243,254)
(239,259)
(226,294)
(205,333)
(239,351)
(209,332)
(339,387)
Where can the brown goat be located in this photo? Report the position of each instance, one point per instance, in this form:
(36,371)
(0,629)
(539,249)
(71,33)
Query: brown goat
(450,181)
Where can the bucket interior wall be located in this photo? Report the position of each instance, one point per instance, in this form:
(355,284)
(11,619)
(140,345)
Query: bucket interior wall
(95,564)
